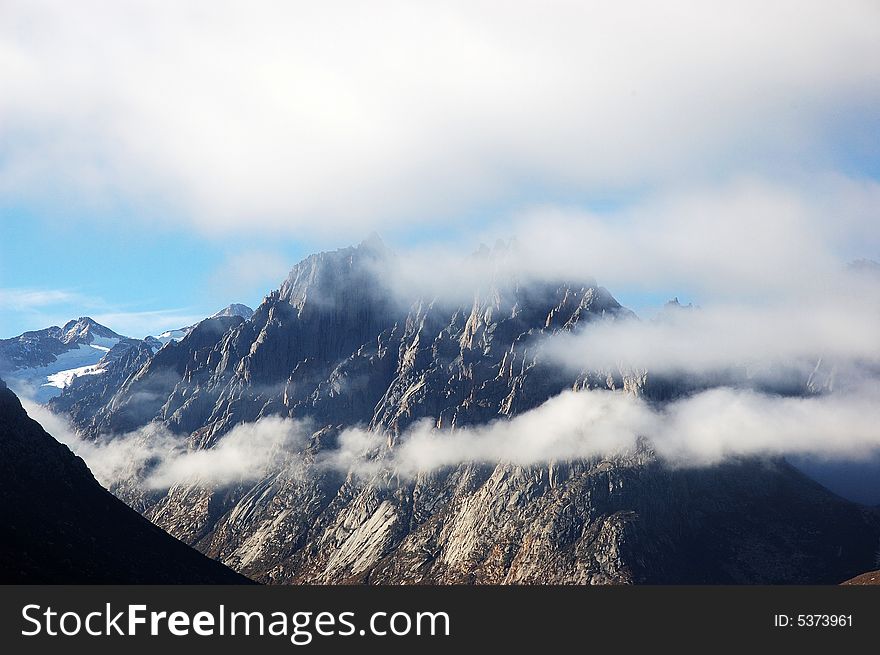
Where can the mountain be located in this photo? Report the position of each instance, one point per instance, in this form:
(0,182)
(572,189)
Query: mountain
(85,394)
(235,309)
(58,525)
(41,363)
(335,347)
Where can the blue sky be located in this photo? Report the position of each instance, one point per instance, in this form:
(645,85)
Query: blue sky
(156,165)
(142,280)
(123,271)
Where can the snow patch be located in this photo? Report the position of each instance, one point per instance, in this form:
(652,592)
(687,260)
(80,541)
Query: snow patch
(103,343)
(173,335)
(62,379)
(41,383)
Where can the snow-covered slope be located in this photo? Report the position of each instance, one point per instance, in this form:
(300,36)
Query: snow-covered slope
(173,335)
(38,365)
(43,382)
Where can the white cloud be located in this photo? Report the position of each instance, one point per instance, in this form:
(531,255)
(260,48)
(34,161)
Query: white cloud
(704,429)
(315,117)
(154,458)
(30,299)
(249,271)
(764,340)
(47,307)
(745,242)
(721,423)
(248,452)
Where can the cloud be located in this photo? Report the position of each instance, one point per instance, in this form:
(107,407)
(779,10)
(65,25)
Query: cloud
(701,430)
(298,117)
(154,458)
(763,341)
(721,423)
(248,452)
(250,270)
(704,429)
(743,241)
(46,307)
(30,299)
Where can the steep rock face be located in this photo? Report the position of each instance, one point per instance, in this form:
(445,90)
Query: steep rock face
(626,520)
(148,388)
(57,525)
(86,394)
(631,521)
(333,346)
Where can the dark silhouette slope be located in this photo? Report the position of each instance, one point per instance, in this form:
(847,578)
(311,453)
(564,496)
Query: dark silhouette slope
(58,525)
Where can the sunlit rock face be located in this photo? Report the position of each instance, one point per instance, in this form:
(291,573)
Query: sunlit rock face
(337,348)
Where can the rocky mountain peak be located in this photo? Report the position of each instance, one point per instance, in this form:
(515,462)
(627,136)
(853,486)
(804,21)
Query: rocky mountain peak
(84,330)
(235,309)
(336,277)
(374,243)
(867,267)
(336,348)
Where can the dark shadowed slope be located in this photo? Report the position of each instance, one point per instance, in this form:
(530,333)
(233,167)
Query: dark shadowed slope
(58,525)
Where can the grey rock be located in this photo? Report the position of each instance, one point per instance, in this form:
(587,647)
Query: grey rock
(334,347)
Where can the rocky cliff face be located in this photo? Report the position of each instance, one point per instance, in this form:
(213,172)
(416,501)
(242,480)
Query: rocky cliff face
(87,394)
(58,525)
(333,346)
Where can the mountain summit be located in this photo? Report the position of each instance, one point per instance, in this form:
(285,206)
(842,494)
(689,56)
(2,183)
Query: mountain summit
(86,330)
(235,309)
(41,363)
(336,350)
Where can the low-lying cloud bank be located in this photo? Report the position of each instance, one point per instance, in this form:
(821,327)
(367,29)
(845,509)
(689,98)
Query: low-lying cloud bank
(704,429)
(155,458)
(835,337)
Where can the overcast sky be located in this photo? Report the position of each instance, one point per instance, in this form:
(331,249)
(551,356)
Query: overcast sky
(158,161)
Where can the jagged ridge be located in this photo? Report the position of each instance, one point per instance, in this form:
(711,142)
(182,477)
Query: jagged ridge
(334,346)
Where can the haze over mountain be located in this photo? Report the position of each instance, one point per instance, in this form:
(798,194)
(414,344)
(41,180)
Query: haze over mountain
(345,433)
